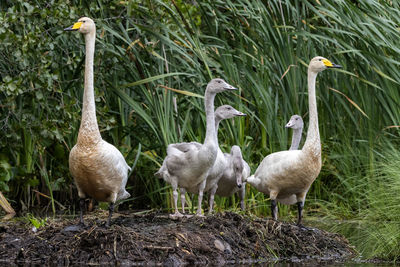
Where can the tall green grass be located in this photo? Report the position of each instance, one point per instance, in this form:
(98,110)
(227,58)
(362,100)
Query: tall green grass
(374,230)
(383,239)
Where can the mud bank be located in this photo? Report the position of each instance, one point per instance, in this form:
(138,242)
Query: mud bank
(155,239)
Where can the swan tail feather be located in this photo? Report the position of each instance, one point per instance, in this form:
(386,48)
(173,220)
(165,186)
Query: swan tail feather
(159,174)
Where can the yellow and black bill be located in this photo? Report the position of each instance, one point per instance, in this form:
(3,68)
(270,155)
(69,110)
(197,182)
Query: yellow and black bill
(329,64)
(74,27)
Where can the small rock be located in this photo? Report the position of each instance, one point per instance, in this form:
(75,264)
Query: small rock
(227,249)
(219,245)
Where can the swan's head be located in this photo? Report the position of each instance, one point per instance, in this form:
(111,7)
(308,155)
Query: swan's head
(218,85)
(84,25)
(226,112)
(295,122)
(237,160)
(318,64)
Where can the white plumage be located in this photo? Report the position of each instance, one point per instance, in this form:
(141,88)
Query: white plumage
(99,169)
(286,173)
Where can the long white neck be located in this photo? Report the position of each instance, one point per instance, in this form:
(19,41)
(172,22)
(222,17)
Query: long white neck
(89,133)
(296,137)
(210,120)
(313,143)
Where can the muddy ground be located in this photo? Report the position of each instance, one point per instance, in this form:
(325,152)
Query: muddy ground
(153,238)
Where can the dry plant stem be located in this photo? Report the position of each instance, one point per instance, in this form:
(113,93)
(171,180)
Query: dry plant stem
(6,205)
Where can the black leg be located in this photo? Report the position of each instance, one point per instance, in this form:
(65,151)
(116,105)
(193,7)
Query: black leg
(81,225)
(110,212)
(274,209)
(300,206)
(82,206)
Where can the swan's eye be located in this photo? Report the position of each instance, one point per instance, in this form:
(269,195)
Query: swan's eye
(297,119)
(320,59)
(218,81)
(83,21)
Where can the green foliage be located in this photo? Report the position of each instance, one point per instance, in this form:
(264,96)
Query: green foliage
(382,238)
(36,222)
(149,51)
(375,229)
(5,173)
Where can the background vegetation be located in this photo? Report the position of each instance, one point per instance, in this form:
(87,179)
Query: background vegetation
(145,48)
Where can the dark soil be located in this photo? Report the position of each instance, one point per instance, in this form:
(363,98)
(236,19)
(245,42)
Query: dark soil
(153,238)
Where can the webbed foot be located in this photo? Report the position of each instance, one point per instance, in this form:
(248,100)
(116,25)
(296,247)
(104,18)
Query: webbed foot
(176,215)
(75,228)
(199,215)
(302,227)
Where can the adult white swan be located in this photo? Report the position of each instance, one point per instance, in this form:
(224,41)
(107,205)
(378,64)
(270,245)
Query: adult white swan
(296,123)
(99,169)
(289,172)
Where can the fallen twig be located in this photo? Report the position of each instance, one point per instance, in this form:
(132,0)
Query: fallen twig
(158,247)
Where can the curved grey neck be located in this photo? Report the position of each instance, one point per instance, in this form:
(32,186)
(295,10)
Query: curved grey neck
(89,133)
(313,142)
(217,121)
(210,119)
(296,137)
